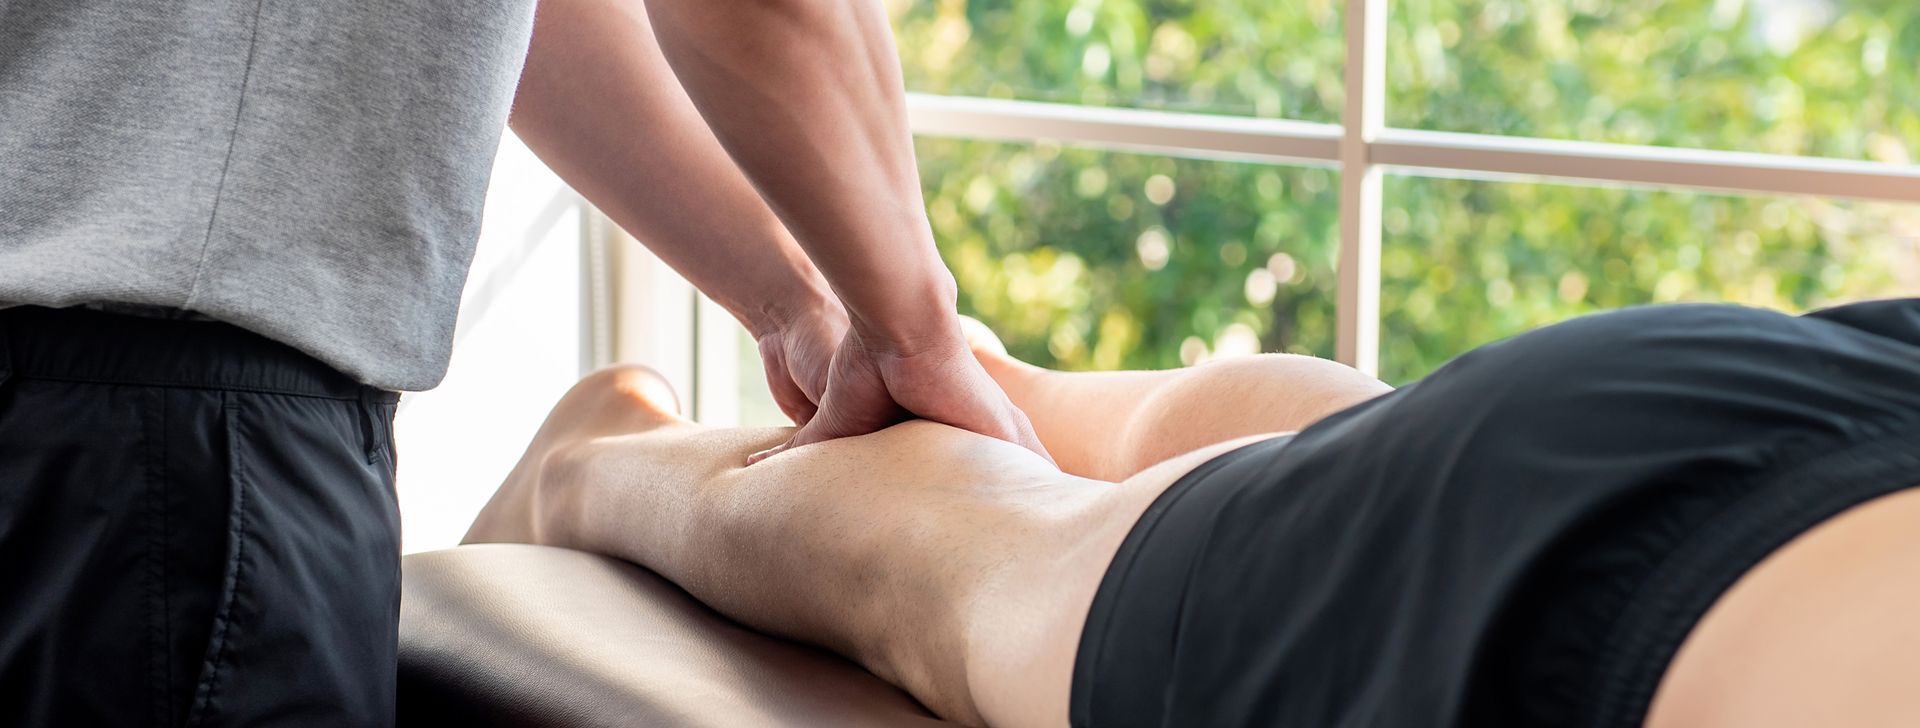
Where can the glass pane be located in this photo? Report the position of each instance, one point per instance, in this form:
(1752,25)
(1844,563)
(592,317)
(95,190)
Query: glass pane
(1829,78)
(1084,259)
(1243,57)
(1467,262)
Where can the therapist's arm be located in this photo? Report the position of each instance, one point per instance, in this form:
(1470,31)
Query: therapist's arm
(598,103)
(806,96)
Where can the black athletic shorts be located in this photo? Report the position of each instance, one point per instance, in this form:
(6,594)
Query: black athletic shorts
(1523,538)
(197,527)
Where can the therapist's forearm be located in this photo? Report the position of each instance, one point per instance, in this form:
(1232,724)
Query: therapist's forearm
(806,96)
(599,104)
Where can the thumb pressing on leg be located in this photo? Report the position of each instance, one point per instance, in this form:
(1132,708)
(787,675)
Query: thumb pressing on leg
(856,402)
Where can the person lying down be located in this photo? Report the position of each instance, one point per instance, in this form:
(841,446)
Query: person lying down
(1677,516)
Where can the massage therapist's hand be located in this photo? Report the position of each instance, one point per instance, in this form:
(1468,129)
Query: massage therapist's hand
(798,353)
(875,382)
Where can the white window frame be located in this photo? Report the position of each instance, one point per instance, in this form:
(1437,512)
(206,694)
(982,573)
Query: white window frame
(1362,147)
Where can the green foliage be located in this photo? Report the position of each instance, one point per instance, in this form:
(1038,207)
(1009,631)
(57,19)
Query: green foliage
(1816,77)
(1086,259)
(1095,260)
(1464,263)
(1243,57)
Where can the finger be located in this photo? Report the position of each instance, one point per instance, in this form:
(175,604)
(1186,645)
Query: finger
(1013,425)
(806,412)
(812,382)
(797,406)
(767,453)
(829,423)
(845,411)
(811,432)
(814,387)
(788,394)
(817,428)
(1028,437)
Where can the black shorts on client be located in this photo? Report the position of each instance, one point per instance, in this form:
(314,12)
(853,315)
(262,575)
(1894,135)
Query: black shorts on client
(1524,538)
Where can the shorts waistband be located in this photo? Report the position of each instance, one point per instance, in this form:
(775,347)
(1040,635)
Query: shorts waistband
(83,345)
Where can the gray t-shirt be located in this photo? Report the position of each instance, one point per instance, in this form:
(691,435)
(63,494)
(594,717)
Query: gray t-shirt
(312,170)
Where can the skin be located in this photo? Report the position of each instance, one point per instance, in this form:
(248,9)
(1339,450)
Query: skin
(910,549)
(1821,633)
(599,104)
(761,149)
(961,568)
(769,139)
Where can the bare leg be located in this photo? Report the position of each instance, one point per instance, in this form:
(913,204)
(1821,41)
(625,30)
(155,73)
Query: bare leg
(1110,425)
(909,550)
(1823,632)
(913,551)
(961,568)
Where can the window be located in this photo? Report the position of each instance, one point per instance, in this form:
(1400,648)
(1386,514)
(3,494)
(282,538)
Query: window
(1799,77)
(519,345)
(1813,77)
(1242,57)
(1091,259)
(1465,262)
(1146,183)
(1484,167)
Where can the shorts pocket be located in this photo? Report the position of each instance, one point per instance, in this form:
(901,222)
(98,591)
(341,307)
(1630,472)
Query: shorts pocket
(233,579)
(305,630)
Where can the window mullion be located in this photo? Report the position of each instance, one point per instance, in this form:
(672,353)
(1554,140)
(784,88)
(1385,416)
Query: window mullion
(1358,321)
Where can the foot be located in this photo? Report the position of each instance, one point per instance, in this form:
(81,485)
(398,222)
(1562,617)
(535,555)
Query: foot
(618,400)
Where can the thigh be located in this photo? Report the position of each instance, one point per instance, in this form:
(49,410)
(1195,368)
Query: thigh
(1520,539)
(1822,632)
(1040,604)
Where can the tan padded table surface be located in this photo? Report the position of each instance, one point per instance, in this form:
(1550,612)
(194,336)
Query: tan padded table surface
(502,634)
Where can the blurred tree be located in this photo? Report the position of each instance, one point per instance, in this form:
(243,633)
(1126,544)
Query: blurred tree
(1087,259)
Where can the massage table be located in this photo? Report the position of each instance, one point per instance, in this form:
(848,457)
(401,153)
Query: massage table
(516,635)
